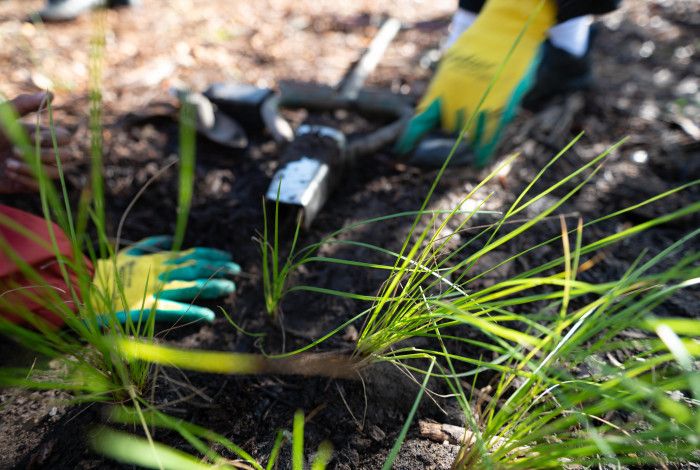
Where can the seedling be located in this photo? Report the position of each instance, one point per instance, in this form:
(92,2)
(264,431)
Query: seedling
(275,274)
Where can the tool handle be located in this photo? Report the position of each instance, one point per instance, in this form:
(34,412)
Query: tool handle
(323,98)
(353,81)
(368,103)
(321,143)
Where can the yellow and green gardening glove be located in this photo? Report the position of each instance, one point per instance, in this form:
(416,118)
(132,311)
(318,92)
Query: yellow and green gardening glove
(468,68)
(152,279)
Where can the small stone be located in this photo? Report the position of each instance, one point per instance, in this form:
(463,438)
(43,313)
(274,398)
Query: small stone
(41,81)
(376,433)
(350,335)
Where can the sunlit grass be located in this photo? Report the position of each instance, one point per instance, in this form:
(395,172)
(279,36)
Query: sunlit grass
(543,413)
(90,369)
(537,330)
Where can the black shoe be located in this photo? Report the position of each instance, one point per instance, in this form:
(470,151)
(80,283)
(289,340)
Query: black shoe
(559,72)
(66,10)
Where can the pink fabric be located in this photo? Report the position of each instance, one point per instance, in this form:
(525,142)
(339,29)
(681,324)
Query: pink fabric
(43,261)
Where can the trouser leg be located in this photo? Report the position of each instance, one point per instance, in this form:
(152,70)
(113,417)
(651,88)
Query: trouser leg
(566,9)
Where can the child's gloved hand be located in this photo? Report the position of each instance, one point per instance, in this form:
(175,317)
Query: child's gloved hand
(468,68)
(153,278)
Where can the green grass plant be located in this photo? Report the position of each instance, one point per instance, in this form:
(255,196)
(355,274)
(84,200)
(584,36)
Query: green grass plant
(133,450)
(545,412)
(80,357)
(275,271)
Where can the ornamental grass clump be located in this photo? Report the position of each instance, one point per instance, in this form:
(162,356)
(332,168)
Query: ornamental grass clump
(563,399)
(80,358)
(88,367)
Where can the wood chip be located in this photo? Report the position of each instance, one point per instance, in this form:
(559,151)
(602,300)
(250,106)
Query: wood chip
(444,432)
(458,435)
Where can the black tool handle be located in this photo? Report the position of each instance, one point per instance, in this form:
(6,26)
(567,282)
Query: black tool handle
(322,143)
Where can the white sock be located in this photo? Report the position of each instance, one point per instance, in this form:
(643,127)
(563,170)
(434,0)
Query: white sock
(461,21)
(572,35)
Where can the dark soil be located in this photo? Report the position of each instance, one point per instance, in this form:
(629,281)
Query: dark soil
(647,70)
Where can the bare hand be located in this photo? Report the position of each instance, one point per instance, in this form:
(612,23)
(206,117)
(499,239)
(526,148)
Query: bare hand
(16,176)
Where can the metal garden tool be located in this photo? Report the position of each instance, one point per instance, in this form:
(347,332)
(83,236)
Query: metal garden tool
(211,122)
(317,156)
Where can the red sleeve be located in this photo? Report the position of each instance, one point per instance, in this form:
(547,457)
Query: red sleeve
(14,287)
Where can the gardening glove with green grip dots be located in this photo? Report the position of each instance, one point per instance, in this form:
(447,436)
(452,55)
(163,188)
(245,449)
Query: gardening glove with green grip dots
(154,279)
(468,68)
